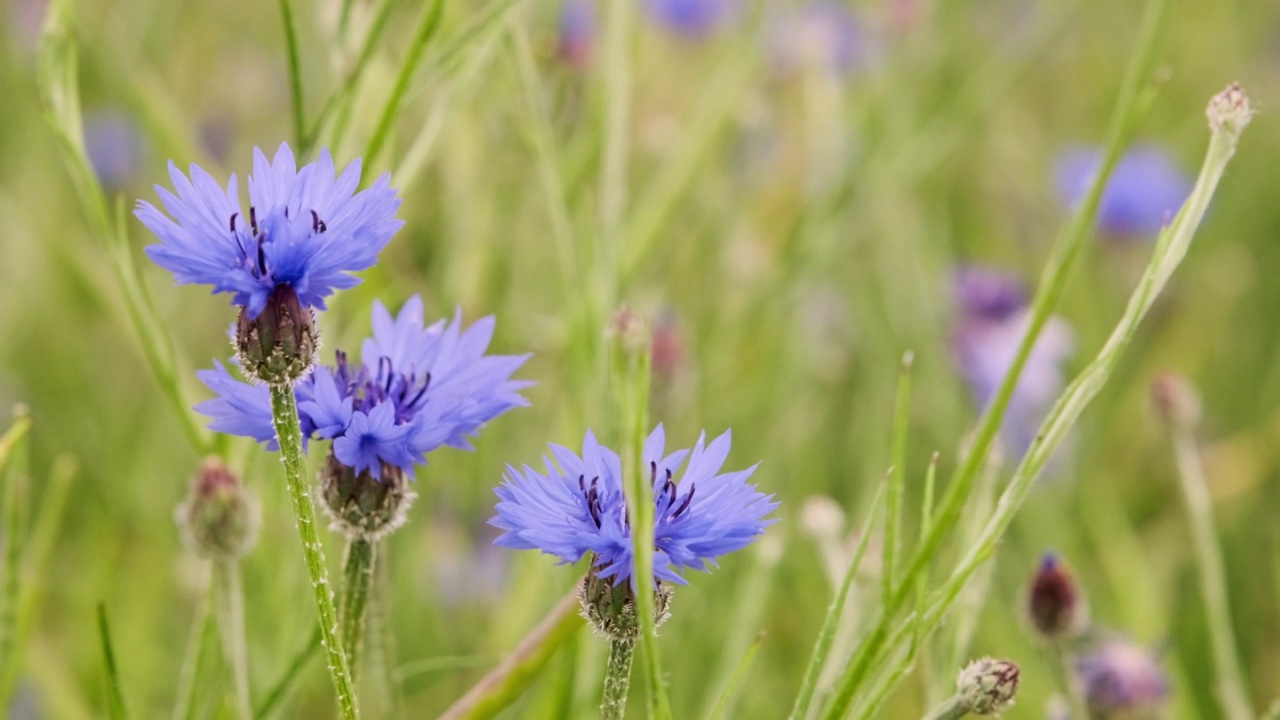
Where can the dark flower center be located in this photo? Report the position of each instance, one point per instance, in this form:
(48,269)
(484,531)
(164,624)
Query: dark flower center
(407,392)
(317,226)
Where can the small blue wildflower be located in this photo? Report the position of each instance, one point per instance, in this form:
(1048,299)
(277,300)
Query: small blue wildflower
(993,318)
(305,230)
(418,388)
(822,36)
(579,508)
(576,32)
(1145,190)
(1120,678)
(114,144)
(693,19)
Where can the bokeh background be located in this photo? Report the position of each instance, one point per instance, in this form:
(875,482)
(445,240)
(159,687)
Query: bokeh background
(805,180)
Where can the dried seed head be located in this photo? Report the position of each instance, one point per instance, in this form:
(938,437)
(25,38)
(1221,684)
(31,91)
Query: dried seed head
(987,686)
(1229,111)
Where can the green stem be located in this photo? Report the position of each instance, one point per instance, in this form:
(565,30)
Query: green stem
(295,73)
(426,29)
(190,670)
(1213,581)
(357,578)
(229,601)
(952,709)
(284,409)
(617,679)
(1061,662)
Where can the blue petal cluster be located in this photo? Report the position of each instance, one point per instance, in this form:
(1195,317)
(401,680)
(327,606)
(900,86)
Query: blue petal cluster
(580,508)
(1121,678)
(691,18)
(1144,192)
(993,316)
(305,229)
(417,388)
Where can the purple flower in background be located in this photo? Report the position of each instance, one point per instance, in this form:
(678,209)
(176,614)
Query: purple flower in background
(993,316)
(1121,679)
(823,36)
(694,19)
(1144,192)
(417,388)
(114,145)
(579,508)
(576,32)
(305,230)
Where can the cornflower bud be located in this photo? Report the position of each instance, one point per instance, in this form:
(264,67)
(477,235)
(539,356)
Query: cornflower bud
(1054,602)
(219,518)
(987,686)
(1176,401)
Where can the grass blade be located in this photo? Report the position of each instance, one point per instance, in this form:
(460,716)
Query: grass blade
(285,684)
(735,683)
(115,697)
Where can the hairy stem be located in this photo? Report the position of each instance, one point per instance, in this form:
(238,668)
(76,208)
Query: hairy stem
(357,577)
(284,409)
(617,679)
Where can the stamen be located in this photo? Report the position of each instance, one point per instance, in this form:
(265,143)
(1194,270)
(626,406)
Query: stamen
(233,221)
(253,219)
(317,225)
(685,505)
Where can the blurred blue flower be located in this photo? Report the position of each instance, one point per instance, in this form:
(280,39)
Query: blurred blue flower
(694,19)
(824,36)
(305,229)
(1120,678)
(993,316)
(114,144)
(580,508)
(418,388)
(1145,190)
(576,32)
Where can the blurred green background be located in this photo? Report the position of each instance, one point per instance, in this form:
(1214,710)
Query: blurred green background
(790,232)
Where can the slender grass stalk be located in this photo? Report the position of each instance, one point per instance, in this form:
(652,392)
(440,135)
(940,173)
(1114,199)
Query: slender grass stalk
(731,689)
(826,636)
(58,82)
(897,476)
(427,27)
(1232,696)
(1130,106)
(342,99)
(284,411)
(295,73)
(35,560)
(115,696)
(502,685)
(291,674)
(617,679)
(228,594)
(199,638)
(14,467)
(1064,675)
(752,595)
(357,578)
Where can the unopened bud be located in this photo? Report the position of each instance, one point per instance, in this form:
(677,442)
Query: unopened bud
(611,609)
(279,346)
(987,686)
(361,506)
(219,518)
(1229,110)
(629,332)
(1054,602)
(1176,401)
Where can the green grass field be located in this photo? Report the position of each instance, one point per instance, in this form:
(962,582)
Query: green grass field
(788,221)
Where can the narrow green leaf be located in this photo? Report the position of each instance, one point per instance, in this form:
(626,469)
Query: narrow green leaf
(735,682)
(115,697)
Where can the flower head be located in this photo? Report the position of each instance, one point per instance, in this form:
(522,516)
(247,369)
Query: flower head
(417,388)
(577,32)
(220,517)
(987,686)
(694,19)
(578,507)
(1055,603)
(993,318)
(823,36)
(305,230)
(114,144)
(1121,679)
(1145,190)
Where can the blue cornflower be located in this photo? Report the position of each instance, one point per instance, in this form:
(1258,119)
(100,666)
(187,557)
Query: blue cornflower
(305,230)
(418,388)
(114,143)
(822,36)
(1120,678)
(993,317)
(1145,190)
(579,508)
(693,19)
(577,32)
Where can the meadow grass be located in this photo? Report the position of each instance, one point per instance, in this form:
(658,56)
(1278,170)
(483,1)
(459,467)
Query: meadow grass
(787,237)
